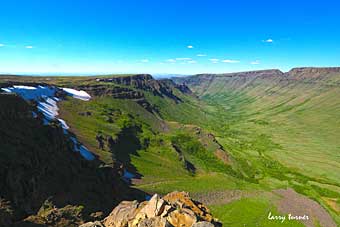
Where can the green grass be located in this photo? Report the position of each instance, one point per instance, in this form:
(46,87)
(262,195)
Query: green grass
(282,135)
(249,212)
(277,137)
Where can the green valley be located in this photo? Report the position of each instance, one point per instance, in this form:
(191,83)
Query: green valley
(245,144)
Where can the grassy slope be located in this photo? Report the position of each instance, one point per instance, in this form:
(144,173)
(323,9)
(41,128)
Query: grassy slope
(159,163)
(249,212)
(295,123)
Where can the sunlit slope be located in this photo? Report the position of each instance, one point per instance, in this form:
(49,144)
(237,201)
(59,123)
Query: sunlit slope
(299,110)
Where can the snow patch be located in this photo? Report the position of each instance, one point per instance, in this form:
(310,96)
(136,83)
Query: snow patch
(82,149)
(82,95)
(47,105)
(31,93)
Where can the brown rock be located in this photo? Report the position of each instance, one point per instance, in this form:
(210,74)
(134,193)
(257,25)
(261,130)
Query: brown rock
(182,200)
(154,207)
(153,222)
(92,224)
(182,218)
(124,213)
(173,210)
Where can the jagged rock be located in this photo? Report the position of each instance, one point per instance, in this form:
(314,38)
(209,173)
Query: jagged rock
(162,88)
(154,207)
(182,218)
(92,224)
(124,213)
(183,200)
(176,209)
(153,222)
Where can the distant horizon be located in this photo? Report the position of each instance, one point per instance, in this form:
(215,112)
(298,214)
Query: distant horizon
(156,75)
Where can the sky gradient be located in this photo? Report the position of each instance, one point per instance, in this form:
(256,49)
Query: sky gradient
(175,37)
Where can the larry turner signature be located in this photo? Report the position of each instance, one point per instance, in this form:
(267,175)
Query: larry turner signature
(283,218)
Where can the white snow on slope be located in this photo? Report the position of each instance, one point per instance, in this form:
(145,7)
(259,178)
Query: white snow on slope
(47,105)
(82,95)
(82,149)
(32,93)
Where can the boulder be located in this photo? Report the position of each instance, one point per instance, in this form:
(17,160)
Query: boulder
(154,207)
(153,222)
(92,224)
(183,200)
(182,218)
(124,213)
(176,209)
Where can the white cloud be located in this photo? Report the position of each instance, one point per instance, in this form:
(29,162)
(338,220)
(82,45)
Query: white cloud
(214,60)
(171,60)
(183,59)
(29,47)
(201,55)
(268,41)
(144,60)
(256,62)
(192,62)
(230,61)
(190,47)
(2,45)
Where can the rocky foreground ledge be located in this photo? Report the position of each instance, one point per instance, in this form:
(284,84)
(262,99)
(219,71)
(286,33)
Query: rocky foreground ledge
(176,209)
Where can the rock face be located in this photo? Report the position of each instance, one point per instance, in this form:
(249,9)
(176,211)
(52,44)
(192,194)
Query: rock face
(176,209)
(145,82)
(38,164)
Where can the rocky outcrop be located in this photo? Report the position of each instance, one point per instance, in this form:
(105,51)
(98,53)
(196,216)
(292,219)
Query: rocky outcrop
(186,164)
(38,163)
(181,87)
(200,79)
(6,213)
(176,209)
(313,71)
(329,77)
(144,82)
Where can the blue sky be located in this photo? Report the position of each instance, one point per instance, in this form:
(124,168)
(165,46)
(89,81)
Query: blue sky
(178,36)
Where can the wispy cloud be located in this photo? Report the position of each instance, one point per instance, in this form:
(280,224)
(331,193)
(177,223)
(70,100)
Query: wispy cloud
(256,62)
(183,59)
(214,60)
(2,45)
(190,47)
(201,55)
(144,60)
(29,47)
(192,62)
(171,60)
(230,61)
(268,41)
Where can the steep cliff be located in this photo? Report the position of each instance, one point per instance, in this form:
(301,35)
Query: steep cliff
(38,164)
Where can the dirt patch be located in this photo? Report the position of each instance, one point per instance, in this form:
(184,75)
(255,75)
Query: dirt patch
(225,197)
(222,155)
(299,205)
(333,204)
